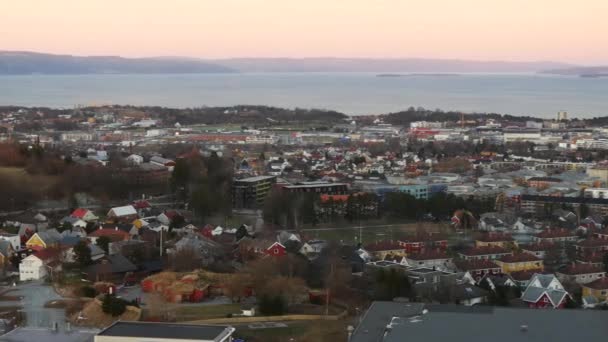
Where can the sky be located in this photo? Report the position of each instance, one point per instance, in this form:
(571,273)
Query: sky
(513,30)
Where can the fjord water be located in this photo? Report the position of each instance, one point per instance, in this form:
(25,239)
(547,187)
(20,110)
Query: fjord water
(351,93)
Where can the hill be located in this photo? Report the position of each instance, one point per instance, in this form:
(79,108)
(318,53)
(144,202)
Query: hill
(595,71)
(25,63)
(422,65)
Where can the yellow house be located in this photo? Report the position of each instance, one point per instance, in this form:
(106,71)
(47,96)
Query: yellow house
(495,239)
(597,288)
(43,240)
(519,262)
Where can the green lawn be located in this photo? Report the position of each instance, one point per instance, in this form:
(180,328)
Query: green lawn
(318,331)
(196,312)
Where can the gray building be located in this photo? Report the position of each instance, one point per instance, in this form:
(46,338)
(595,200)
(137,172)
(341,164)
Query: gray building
(397,322)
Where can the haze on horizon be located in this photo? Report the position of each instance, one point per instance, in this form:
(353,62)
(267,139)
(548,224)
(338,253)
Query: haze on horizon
(513,30)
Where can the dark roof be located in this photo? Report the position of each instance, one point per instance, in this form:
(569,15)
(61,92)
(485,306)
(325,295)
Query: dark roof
(581,269)
(393,322)
(167,330)
(471,265)
(519,257)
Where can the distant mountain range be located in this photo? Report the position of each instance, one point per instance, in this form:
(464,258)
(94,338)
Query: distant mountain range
(20,63)
(598,71)
(23,63)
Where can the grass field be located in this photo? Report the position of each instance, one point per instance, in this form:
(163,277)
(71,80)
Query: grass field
(20,176)
(368,234)
(308,331)
(196,312)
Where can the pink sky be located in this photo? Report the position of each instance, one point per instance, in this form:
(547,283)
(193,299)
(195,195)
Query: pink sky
(561,30)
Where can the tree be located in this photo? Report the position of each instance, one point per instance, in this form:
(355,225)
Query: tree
(113,306)
(103,242)
(272,305)
(82,254)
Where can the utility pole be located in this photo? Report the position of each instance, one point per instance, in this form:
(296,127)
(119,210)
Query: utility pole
(327,292)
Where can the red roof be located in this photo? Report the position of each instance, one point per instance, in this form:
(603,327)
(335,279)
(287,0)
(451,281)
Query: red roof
(542,246)
(382,246)
(519,257)
(79,213)
(600,284)
(47,253)
(471,265)
(555,233)
(485,250)
(335,198)
(581,269)
(141,204)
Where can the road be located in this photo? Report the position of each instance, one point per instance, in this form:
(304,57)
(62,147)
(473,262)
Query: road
(34,296)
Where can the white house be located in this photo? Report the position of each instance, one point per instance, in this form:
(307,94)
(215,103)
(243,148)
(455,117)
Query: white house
(14,239)
(135,159)
(127,211)
(32,268)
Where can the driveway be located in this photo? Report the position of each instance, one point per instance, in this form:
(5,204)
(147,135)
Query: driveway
(34,296)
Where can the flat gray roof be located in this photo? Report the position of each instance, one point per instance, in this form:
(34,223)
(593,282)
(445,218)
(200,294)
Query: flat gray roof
(25,334)
(254,179)
(456,323)
(166,330)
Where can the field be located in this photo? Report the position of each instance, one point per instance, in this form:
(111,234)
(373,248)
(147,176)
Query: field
(308,331)
(18,175)
(369,233)
(196,312)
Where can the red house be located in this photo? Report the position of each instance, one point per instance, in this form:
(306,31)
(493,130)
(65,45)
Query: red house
(276,250)
(424,241)
(545,291)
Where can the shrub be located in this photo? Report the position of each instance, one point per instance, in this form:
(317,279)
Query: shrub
(88,291)
(113,306)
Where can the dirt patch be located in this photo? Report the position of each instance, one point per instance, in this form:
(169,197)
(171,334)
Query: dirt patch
(92,315)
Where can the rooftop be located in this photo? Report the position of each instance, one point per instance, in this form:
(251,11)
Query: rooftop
(167,330)
(393,321)
(520,257)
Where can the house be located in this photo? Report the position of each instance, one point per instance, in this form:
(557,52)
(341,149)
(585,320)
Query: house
(31,222)
(110,268)
(522,278)
(260,247)
(478,268)
(73,222)
(484,253)
(496,239)
(96,253)
(126,213)
(597,289)
(580,273)
(313,248)
(34,266)
(424,241)
(555,236)
(206,249)
(160,161)
(44,239)
(431,259)
(591,246)
(495,281)
(135,159)
(468,295)
(543,249)
(84,214)
(519,262)
(14,239)
(380,249)
(545,291)
(6,252)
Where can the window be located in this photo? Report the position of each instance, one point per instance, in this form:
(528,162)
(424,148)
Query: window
(545,300)
(276,251)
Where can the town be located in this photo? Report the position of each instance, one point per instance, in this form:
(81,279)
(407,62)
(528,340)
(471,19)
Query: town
(258,223)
